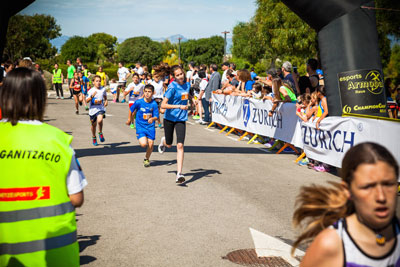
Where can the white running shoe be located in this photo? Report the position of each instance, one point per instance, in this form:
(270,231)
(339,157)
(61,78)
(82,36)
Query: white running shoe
(180,178)
(161,146)
(199,121)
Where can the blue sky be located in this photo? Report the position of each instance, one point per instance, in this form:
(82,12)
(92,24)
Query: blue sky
(153,18)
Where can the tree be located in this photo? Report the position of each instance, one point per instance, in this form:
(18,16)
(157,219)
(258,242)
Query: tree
(141,49)
(78,46)
(203,51)
(30,36)
(105,44)
(246,44)
(393,67)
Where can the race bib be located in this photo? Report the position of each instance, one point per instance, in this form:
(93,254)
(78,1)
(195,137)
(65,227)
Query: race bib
(98,102)
(136,93)
(146,116)
(184,96)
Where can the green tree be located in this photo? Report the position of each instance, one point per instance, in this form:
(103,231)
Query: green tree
(141,49)
(392,69)
(246,43)
(105,44)
(30,36)
(203,51)
(78,46)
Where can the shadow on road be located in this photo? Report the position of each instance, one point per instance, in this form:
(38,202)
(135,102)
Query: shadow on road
(162,162)
(196,175)
(118,149)
(114,145)
(84,242)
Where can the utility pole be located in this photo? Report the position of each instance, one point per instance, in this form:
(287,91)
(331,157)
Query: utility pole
(179,40)
(225,32)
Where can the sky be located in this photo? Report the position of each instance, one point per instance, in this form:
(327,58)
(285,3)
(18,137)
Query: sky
(153,18)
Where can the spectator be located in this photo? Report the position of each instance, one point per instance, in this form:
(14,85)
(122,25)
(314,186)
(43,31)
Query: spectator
(213,85)
(232,66)
(246,83)
(79,65)
(57,80)
(303,85)
(256,92)
(233,84)
(312,66)
(224,79)
(287,74)
(26,62)
(190,72)
(253,74)
(322,111)
(8,66)
(138,68)
(282,93)
(52,184)
(203,86)
(123,74)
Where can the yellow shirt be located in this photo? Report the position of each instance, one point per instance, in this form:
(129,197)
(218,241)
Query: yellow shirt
(103,77)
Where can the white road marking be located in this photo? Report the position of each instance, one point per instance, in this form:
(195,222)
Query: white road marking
(109,115)
(211,130)
(232,138)
(268,246)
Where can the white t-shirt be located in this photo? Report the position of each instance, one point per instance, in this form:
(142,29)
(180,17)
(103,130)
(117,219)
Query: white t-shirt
(224,79)
(122,73)
(136,93)
(98,99)
(158,89)
(203,85)
(113,87)
(188,74)
(139,70)
(76,180)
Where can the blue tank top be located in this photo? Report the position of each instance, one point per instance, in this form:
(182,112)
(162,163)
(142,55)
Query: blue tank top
(355,257)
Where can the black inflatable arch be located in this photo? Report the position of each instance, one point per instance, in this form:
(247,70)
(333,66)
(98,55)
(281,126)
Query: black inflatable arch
(348,41)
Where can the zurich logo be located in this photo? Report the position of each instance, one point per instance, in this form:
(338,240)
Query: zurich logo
(246,112)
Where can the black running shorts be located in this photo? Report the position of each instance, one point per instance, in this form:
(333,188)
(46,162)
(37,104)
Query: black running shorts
(180,129)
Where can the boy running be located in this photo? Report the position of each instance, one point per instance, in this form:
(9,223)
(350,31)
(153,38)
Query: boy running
(135,91)
(84,81)
(146,111)
(97,96)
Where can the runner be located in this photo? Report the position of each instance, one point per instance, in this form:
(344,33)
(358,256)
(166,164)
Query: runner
(158,94)
(176,104)
(70,76)
(98,102)
(75,86)
(123,74)
(84,81)
(135,91)
(102,75)
(353,223)
(146,112)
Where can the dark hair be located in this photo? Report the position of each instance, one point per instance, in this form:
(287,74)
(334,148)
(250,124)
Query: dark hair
(313,63)
(164,70)
(321,90)
(229,73)
(122,63)
(191,63)
(23,96)
(214,67)
(257,87)
(304,83)
(232,66)
(252,69)
(135,74)
(225,64)
(273,72)
(85,66)
(202,74)
(149,86)
(321,206)
(203,67)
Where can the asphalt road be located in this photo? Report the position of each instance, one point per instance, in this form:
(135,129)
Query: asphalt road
(136,216)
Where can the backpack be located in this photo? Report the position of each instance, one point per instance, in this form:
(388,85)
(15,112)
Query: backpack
(196,84)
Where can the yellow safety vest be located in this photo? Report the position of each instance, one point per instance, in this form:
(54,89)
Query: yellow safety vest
(57,76)
(37,219)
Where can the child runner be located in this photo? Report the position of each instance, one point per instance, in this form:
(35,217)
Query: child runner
(176,104)
(135,91)
(113,89)
(84,81)
(146,111)
(102,75)
(75,87)
(97,96)
(158,94)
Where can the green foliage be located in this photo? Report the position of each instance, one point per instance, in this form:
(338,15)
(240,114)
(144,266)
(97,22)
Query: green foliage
(141,49)
(393,67)
(105,44)
(28,36)
(246,43)
(388,22)
(203,51)
(78,46)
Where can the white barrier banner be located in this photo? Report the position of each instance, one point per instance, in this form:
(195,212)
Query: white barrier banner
(336,135)
(251,115)
(328,144)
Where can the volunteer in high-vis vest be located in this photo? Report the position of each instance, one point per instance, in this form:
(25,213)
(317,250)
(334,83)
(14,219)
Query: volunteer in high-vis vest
(41,182)
(57,79)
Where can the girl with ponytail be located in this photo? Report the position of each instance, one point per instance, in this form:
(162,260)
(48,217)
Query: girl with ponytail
(353,223)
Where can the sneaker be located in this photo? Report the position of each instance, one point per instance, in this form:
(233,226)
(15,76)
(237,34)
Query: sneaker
(146,163)
(57,97)
(123,101)
(161,146)
(180,178)
(94,140)
(321,168)
(203,122)
(77,112)
(86,108)
(132,126)
(62,97)
(196,117)
(101,137)
(160,125)
(303,162)
(117,100)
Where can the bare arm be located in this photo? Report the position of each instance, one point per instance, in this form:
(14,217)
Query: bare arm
(165,105)
(324,105)
(77,199)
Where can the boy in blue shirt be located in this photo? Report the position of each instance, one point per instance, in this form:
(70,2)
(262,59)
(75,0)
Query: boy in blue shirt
(84,81)
(146,111)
